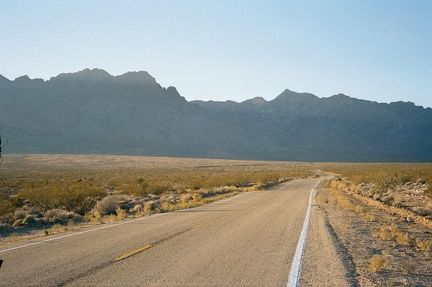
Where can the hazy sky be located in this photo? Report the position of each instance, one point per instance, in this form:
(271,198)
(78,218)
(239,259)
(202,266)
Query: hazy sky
(219,50)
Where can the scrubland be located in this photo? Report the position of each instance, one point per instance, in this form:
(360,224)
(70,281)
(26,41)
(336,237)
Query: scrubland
(55,192)
(381,215)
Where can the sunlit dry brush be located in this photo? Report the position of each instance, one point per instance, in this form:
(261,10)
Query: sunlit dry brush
(404,188)
(42,190)
(380,212)
(377,263)
(392,232)
(424,244)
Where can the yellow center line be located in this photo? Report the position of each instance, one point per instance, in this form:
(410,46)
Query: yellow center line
(124,256)
(136,251)
(200,225)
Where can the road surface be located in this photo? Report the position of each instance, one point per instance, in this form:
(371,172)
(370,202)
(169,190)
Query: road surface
(246,240)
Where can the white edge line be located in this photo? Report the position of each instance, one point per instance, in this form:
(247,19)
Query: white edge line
(105,227)
(113,225)
(294,276)
(85,231)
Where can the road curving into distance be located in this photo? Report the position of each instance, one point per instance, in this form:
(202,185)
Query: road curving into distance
(246,240)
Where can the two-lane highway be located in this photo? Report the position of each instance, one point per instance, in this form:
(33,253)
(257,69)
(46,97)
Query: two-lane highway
(249,239)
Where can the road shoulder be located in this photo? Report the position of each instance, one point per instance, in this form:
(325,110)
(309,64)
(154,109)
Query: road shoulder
(324,263)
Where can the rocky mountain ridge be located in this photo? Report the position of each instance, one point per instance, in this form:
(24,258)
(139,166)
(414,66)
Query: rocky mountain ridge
(92,111)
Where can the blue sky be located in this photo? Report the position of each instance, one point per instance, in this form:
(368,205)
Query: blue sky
(220,50)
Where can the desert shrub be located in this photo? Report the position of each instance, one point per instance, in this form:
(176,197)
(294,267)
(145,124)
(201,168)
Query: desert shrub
(77,198)
(142,187)
(56,228)
(424,244)
(377,263)
(80,200)
(19,214)
(108,205)
(121,213)
(61,216)
(197,197)
(404,239)
(167,206)
(7,208)
(392,232)
(386,173)
(369,217)
(151,207)
(93,217)
(408,267)
(157,187)
(79,189)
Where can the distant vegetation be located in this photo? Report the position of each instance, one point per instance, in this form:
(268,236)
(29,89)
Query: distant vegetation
(42,195)
(384,172)
(382,215)
(386,176)
(39,191)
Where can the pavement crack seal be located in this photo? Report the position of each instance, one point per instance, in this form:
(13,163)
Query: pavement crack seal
(136,251)
(294,277)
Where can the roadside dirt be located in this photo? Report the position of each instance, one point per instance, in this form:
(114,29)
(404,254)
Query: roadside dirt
(323,262)
(360,231)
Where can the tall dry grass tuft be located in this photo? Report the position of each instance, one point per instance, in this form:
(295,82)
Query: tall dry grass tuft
(392,232)
(377,263)
(424,244)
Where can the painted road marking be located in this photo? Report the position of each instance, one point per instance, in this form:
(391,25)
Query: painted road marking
(136,251)
(85,231)
(115,224)
(200,225)
(112,225)
(294,276)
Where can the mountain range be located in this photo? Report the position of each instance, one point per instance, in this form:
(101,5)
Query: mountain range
(92,111)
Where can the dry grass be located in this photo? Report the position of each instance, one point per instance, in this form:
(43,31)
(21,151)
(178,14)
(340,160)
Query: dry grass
(94,187)
(383,222)
(368,217)
(424,244)
(383,174)
(377,263)
(408,267)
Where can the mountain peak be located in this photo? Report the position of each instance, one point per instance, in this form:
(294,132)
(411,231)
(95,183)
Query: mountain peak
(340,96)
(95,75)
(24,78)
(256,101)
(141,77)
(288,95)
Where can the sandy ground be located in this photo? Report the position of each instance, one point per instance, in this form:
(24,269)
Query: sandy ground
(323,262)
(356,241)
(100,162)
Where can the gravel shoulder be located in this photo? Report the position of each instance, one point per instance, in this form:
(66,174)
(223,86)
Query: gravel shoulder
(359,230)
(324,260)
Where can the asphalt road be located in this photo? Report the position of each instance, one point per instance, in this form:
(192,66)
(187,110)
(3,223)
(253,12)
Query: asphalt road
(246,240)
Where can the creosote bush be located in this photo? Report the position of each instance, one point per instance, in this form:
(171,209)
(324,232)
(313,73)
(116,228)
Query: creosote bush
(392,232)
(78,197)
(108,205)
(377,263)
(384,175)
(424,244)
